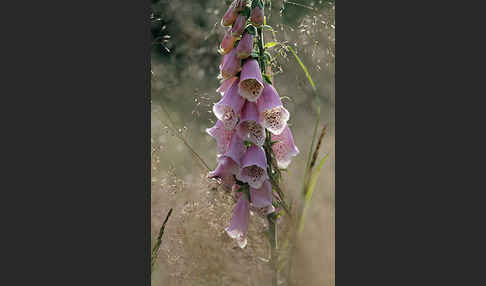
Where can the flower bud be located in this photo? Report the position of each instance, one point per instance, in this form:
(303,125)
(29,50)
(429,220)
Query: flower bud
(256,16)
(230,15)
(227,43)
(238,26)
(245,46)
(240,5)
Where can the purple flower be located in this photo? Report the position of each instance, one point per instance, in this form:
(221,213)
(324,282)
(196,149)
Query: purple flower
(231,65)
(229,107)
(238,26)
(227,167)
(256,16)
(285,148)
(249,128)
(253,167)
(227,43)
(238,228)
(273,115)
(226,84)
(261,199)
(245,46)
(251,81)
(222,136)
(236,150)
(230,15)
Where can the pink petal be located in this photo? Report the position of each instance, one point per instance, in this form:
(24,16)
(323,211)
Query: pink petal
(226,84)
(253,167)
(285,148)
(262,197)
(225,170)
(249,127)
(229,107)
(230,15)
(245,46)
(238,26)
(251,81)
(272,113)
(222,136)
(231,65)
(238,228)
(236,149)
(256,16)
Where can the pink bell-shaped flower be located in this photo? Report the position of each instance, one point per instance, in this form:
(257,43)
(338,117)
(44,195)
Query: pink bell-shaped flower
(256,16)
(222,135)
(229,107)
(249,128)
(261,199)
(272,113)
(230,15)
(231,65)
(284,149)
(225,170)
(238,228)
(227,43)
(238,26)
(245,46)
(251,81)
(236,150)
(253,167)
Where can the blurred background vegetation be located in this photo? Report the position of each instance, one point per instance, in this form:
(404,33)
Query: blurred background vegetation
(195,250)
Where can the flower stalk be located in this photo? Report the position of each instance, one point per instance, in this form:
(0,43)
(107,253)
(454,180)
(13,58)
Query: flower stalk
(253,138)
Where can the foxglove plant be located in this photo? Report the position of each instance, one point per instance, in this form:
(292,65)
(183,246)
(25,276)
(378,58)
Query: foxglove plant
(253,139)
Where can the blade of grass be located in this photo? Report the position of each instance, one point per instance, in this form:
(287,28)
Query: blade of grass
(308,168)
(155,250)
(310,191)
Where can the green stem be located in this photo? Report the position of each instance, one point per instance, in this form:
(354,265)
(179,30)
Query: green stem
(271,172)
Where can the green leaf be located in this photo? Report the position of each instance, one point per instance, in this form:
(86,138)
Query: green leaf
(307,74)
(270,44)
(310,191)
(267,78)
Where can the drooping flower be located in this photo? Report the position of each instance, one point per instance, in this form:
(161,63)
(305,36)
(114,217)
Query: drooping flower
(261,199)
(229,107)
(240,5)
(222,136)
(230,15)
(225,170)
(231,65)
(284,149)
(226,84)
(256,16)
(273,115)
(236,150)
(249,128)
(238,228)
(251,81)
(245,46)
(238,26)
(227,43)
(253,167)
